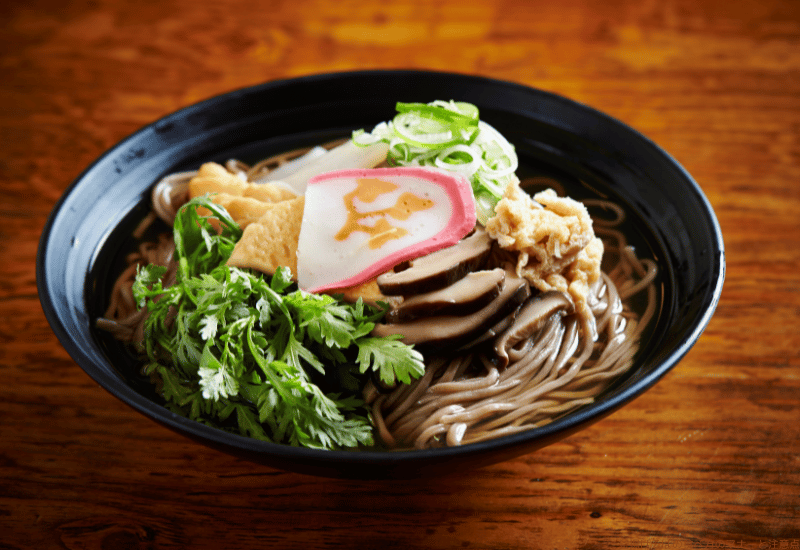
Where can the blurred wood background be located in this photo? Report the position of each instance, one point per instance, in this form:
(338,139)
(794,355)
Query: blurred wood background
(708,458)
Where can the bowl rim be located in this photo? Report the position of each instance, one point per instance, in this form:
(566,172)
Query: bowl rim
(571,422)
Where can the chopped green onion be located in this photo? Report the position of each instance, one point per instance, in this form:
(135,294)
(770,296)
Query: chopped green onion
(449,135)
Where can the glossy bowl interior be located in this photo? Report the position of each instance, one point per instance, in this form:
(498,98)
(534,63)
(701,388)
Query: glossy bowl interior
(85,238)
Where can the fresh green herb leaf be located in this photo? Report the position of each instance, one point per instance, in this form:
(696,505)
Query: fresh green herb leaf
(393,360)
(222,340)
(147,283)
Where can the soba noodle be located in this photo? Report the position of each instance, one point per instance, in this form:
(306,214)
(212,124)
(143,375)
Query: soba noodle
(465,397)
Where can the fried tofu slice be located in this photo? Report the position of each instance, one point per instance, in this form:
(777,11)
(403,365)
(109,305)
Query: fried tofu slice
(246,202)
(271,241)
(244,210)
(214,178)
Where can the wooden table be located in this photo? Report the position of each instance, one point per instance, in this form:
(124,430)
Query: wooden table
(710,457)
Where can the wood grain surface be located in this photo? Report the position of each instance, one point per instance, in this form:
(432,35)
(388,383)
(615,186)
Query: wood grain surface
(709,458)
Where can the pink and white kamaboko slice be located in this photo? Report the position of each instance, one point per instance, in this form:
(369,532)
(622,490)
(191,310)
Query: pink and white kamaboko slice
(360,223)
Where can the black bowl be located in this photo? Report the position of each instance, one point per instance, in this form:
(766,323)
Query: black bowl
(88,229)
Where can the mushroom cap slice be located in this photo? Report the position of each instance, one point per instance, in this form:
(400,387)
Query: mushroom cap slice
(465,296)
(442,332)
(531,317)
(438,269)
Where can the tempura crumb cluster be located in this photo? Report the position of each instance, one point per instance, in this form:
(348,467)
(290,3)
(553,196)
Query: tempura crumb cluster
(554,240)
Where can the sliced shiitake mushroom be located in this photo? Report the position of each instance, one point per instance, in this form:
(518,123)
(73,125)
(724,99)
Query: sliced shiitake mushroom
(531,317)
(440,333)
(490,334)
(465,296)
(438,269)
